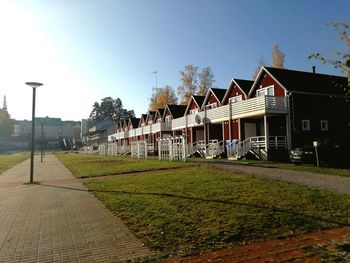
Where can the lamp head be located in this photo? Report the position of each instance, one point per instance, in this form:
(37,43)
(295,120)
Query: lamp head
(34,84)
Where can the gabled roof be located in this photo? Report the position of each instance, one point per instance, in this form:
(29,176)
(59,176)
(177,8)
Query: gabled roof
(300,81)
(134,122)
(242,84)
(218,93)
(142,118)
(196,99)
(150,115)
(160,111)
(176,111)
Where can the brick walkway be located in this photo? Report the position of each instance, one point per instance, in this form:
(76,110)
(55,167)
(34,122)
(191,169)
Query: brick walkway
(58,220)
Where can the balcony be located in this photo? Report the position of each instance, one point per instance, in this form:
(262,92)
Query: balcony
(122,135)
(259,106)
(138,131)
(161,126)
(146,129)
(244,109)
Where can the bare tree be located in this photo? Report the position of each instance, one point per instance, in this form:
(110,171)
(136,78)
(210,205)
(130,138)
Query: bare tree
(278,57)
(206,80)
(163,97)
(262,62)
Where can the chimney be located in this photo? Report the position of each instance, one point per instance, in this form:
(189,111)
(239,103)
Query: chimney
(314,69)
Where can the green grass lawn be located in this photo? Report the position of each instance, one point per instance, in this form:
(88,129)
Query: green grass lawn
(313,169)
(187,211)
(8,161)
(83,166)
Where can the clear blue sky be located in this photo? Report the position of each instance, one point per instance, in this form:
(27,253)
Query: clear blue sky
(85,50)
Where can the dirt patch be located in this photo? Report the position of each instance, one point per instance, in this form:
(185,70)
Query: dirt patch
(305,247)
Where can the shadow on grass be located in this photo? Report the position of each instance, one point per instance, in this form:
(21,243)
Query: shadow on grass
(228,202)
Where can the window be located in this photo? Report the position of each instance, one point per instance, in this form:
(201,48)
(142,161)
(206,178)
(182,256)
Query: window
(265,91)
(194,111)
(324,125)
(305,125)
(211,106)
(235,99)
(168,119)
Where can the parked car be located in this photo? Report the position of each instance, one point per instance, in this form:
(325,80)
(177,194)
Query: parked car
(329,154)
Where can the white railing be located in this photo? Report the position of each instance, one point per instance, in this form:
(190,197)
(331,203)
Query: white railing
(256,143)
(172,149)
(132,133)
(218,114)
(139,149)
(195,119)
(241,109)
(146,129)
(179,123)
(138,131)
(161,126)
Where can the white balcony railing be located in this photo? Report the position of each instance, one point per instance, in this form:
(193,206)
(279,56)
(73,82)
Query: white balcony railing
(138,131)
(146,129)
(161,126)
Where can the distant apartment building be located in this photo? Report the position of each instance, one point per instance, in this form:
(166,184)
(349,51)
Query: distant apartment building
(49,130)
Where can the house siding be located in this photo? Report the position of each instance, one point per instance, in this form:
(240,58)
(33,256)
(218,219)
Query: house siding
(236,91)
(265,81)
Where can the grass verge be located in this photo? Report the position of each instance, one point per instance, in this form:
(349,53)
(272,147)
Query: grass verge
(8,161)
(189,211)
(83,166)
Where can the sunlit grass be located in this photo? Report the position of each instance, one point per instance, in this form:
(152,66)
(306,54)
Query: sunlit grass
(82,165)
(8,161)
(189,211)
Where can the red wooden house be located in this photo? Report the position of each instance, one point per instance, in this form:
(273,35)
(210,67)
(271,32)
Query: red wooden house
(237,91)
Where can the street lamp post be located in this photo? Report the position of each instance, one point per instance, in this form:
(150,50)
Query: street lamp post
(42,141)
(34,85)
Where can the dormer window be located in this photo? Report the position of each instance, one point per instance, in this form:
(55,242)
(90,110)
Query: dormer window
(268,91)
(194,111)
(211,106)
(168,119)
(235,99)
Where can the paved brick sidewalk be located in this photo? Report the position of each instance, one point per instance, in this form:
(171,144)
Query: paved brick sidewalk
(58,220)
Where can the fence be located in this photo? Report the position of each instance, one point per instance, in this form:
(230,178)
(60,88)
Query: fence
(172,149)
(139,150)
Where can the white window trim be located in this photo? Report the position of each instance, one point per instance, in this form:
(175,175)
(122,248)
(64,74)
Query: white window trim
(325,122)
(308,125)
(265,90)
(234,99)
(211,106)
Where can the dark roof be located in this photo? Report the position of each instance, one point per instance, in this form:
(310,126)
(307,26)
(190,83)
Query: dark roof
(301,81)
(134,122)
(199,100)
(161,111)
(177,111)
(152,114)
(143,116)
(219,93)
(244,84)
